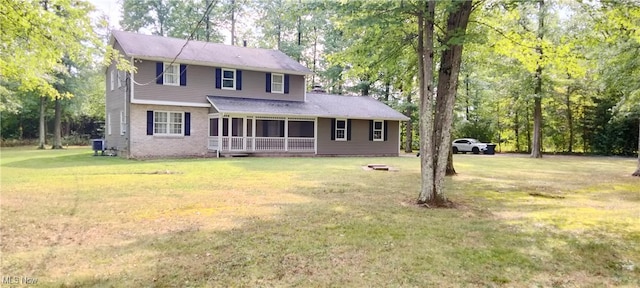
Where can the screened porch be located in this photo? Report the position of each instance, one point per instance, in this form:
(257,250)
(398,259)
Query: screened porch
(234,133)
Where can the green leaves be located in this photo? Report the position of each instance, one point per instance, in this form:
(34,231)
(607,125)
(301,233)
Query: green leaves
(36,35)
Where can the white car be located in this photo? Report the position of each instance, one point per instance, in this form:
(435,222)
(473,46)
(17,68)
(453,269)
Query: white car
(465,145)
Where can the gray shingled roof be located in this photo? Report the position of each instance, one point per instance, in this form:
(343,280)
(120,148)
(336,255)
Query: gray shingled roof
(317,105)
(206,53)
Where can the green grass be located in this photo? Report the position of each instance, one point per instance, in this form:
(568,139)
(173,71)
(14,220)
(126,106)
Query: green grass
(73,220)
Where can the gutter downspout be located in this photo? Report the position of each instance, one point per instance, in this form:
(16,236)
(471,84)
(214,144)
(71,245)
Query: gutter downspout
(128,101)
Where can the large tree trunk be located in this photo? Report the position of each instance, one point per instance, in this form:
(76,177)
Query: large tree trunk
(279,34)
(387,91)
(233,22)
(207,29)
(637,173)
(315,55)
(43,128)
(527,115)
(408,140)
(516,129)
(425,75)
(57,131)
(569,117)
(451,171)
(468,95)
(536,151)
(447,87)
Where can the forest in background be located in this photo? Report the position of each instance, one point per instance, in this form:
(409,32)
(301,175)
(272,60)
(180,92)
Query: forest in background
(578,61)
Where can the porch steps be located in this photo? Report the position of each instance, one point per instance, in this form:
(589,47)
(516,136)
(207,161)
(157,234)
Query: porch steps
(235,155)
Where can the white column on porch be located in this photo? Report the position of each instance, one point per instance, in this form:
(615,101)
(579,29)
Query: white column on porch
(244,133)
(253,133)
(286,134)
(220,117)
(315,136)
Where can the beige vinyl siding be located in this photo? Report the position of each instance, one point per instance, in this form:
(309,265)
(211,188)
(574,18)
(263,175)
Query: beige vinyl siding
(143,145)
(201,82)
(359,143)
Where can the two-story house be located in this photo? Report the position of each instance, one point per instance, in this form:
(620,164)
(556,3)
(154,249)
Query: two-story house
(201,99)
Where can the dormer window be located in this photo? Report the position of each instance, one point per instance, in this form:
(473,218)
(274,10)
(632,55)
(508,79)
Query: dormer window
(229,79)
(277,83)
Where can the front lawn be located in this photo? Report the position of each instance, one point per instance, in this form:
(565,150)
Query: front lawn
(71,219)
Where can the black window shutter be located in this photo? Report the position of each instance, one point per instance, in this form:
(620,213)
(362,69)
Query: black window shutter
(218,78)
(386,130)
(268,82)
(159,70)
(183,75)
(238,79)
(333,129)
(187,124)
(371,124)
(348,129)
(149,122)
(286,83)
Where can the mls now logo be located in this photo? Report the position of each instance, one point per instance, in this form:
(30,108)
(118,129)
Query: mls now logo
(19,280)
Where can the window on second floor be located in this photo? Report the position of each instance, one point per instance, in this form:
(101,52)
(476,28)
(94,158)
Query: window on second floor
(171,75)
(229,79)
(277,83)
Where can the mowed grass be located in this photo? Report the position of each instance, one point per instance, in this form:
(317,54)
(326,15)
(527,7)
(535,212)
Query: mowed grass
(74,220)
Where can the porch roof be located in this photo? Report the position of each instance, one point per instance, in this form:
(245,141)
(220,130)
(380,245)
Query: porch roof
(317,105)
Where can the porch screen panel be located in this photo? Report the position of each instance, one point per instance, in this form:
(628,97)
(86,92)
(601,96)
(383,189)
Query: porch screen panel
(269,128)
(213,127)
(249,127)
(236,127)
(225,126)
(301,129)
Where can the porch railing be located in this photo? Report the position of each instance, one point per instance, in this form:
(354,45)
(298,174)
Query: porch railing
(263,144)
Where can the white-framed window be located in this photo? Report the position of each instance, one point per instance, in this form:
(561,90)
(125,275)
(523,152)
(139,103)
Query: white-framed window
(168,123)
(119,78)
(123,123)
(277,83)
(113,79)
(341,130)
(171,75)
(378,130)
(109,124)
(229,79)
